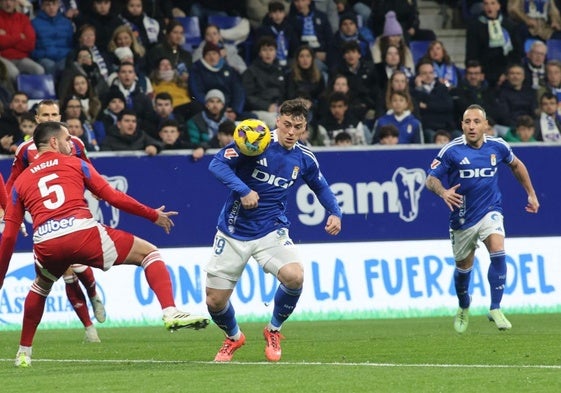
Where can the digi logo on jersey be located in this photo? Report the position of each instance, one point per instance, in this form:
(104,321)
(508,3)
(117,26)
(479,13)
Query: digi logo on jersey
(400,195)
(103,211)
(273,179)
(477,172)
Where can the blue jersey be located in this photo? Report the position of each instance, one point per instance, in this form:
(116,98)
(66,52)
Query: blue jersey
(476,172)
(272,175)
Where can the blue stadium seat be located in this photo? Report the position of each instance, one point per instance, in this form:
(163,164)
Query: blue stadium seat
(224,22)
(37,87)
(528,44)
(192,33)
(553,49)
(418,49)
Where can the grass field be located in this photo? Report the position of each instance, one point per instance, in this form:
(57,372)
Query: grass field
(393,355)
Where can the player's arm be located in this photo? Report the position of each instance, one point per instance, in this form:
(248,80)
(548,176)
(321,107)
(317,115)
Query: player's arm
(224,172)
(102,189)
(13,218)
(523,176)
(449,195)
(3,196)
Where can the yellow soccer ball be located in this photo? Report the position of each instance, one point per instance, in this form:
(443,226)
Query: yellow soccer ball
(252,137)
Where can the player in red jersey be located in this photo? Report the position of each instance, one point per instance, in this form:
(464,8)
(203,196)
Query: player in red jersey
(48,110)
(64,230)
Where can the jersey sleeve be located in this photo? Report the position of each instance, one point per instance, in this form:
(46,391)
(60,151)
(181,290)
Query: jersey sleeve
(318,184)
(223,166)
(13,219)
(3,194)
(80,149)
(19,164)
(100,187)
(439,166)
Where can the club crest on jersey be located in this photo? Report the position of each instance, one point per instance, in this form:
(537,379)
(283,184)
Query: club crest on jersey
(230,153)
(493,159)
(434,164)
(295,173)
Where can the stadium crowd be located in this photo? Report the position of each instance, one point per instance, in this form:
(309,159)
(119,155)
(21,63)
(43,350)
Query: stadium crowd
(132,75)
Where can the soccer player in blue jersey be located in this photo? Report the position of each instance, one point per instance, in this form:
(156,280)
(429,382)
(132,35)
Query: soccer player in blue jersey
(253,223)
(469,164)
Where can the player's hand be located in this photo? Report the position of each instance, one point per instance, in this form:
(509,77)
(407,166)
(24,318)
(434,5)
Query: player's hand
(451,198)
(164,219)
(250,201)
(23,230)
(533,204)
(333,225)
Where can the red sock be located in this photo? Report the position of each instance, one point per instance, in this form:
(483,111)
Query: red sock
(158,278)
(87,279)
(78,301)
(32,313)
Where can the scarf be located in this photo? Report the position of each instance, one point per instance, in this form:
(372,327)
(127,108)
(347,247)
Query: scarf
(100,61)
(537,8)
(309,31)
(90,135)
(282,46)
(556,91)
(212,125)
(550,132)
(538,75)
(446,72)
(151,26)
(166,75)
(498,36)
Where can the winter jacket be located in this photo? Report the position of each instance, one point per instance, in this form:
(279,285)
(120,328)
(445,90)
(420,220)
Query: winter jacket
(54,36)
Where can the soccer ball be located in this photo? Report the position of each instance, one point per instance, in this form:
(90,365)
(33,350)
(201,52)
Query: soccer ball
(252,137)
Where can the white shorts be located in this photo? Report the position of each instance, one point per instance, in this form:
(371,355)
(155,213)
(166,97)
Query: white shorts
(464,241)
(230,256)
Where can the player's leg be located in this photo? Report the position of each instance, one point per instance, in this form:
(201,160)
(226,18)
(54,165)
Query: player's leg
(33,309)
(278,256)
(147,256)
(86,276)
(78,302)
(223,272)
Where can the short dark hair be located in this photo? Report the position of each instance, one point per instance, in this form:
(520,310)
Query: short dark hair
(169,123)
(525,121)
(227,127)
(28,116)
(266,40)
(276,6)
(548,96)
(350,46)
(163,96)
(126,111)
(388,130)
(44,131)
(294,108)
(343,136)
(338,96)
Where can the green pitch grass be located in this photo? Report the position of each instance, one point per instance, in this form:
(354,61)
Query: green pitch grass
(398,355)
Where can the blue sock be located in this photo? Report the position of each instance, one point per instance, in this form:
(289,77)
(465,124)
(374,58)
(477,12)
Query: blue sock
(497,278)
(461,282)
(285,302)
(226,320)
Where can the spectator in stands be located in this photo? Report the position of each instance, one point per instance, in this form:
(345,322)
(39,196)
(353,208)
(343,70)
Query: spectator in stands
(147,30)
(329,8)
(103,17)
(340,83)
(492,40)
(343,139)
(312,28)
(123,37)
(514,97)
(257,10)
(17,41)
(11,117)
(340,119)
(84,65)
(388,134)
(81,89)
(539,19)
(548,124)
(170,47)
(392,35)
(276,24)
(125,55)
(76,128)
(54,37)
(391,62)
(474,89)
(553,80)
(524,131)
(170,136)
(127,135)
(435,102)
(163,106)
(441,137)
(165,78)
(348,31)
(406,14)
(304,77)
(87,39)
(446,71)
(6,86)
(264,83)
(203,127)
(72,109)
(135,98)
(114,104)
(398,82)
(211,72)
(534,65)
(228,51)
(225,133)
(361,76)
(399,115)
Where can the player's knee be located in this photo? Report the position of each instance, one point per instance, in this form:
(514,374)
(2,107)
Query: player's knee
(292,275)
(215,302)
(69,279)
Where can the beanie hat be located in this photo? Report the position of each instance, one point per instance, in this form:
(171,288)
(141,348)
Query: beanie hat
(348,15)
(209,46)
(123,52)
(392,26)
(215,93)
(112,94)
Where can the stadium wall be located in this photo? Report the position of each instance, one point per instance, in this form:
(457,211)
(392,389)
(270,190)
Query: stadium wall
(392,259)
